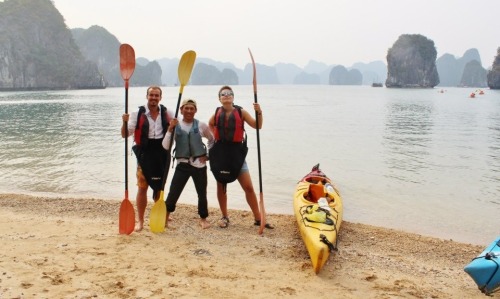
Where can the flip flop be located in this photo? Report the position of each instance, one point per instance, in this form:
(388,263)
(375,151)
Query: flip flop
(268,225)
(224,222)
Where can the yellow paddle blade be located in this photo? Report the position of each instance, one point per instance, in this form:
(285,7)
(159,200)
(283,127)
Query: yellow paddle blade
(186,67)
(158,215)
(127,61)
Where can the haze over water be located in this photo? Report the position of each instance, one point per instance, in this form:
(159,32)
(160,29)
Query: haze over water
(416,160)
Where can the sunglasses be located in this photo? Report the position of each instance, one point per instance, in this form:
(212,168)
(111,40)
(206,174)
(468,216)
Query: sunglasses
(226,94)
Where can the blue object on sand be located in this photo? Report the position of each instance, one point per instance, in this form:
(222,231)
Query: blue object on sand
(485,268)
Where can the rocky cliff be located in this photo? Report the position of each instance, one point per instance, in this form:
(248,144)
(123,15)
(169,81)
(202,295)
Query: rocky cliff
(451,69)
(411,63)
(101,47)
(494,73)
(339,75)
(37,50)
(474,75)
(204,74)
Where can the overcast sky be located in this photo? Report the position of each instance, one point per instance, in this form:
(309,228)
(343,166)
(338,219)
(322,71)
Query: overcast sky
(289,31)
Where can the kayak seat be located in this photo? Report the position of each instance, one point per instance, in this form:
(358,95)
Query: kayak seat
(315,192)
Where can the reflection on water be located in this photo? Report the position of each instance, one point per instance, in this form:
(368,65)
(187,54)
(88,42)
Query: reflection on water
(417,160)
(407,138)
(51,138)
(492,178)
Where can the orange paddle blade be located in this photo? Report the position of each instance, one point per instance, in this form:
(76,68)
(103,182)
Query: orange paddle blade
(254,72)
(158,215)
(127,217)
(127,61)
(262,215)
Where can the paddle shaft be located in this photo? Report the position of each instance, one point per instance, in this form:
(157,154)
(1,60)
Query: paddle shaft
(126,221)
(127,67)
(126,140)
(261,194)
(256,120)
(184,73)
(165,174)
(258,140)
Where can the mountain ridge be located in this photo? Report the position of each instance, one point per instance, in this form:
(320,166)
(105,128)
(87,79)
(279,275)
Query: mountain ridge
(88,58)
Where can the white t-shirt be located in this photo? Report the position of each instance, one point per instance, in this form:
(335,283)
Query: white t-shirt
(155,128)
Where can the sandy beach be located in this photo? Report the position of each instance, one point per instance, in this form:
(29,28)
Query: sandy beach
(70,248)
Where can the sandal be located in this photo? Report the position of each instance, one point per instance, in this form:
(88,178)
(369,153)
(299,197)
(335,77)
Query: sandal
(268,225)
(224,222)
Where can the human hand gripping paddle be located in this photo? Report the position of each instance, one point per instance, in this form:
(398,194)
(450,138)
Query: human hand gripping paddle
(157,218)
(126,220)
(261,193)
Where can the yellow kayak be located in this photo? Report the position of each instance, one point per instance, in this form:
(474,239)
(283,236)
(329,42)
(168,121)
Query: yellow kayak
(317,205)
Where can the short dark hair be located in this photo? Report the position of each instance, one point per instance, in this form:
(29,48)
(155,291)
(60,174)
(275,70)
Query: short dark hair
(153,87)
(225,87)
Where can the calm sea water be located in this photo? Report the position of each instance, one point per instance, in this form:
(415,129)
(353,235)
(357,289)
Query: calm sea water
(415,160)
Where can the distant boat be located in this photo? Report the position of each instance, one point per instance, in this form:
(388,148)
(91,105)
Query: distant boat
(377,84)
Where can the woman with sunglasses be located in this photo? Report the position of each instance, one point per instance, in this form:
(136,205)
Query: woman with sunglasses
(227,124)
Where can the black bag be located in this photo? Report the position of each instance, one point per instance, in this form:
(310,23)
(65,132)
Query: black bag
(137,151)
(153,160)
(226,160)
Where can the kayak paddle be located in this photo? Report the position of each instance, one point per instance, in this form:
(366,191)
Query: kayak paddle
(126,221)
(157,218)
(261,193)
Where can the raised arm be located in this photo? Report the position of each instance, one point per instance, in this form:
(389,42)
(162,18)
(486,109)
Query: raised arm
(249,118)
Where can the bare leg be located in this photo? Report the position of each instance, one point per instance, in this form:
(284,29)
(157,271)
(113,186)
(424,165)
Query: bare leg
(168,219)
(246,183)
(222,198)
(142,202)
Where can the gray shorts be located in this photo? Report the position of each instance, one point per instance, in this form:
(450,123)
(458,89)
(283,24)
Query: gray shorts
(244,168)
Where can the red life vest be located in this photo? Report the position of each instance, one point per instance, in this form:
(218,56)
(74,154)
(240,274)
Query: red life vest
(231,130)
(142,127)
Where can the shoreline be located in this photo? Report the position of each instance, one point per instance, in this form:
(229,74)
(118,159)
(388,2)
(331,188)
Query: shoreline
(55,247)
